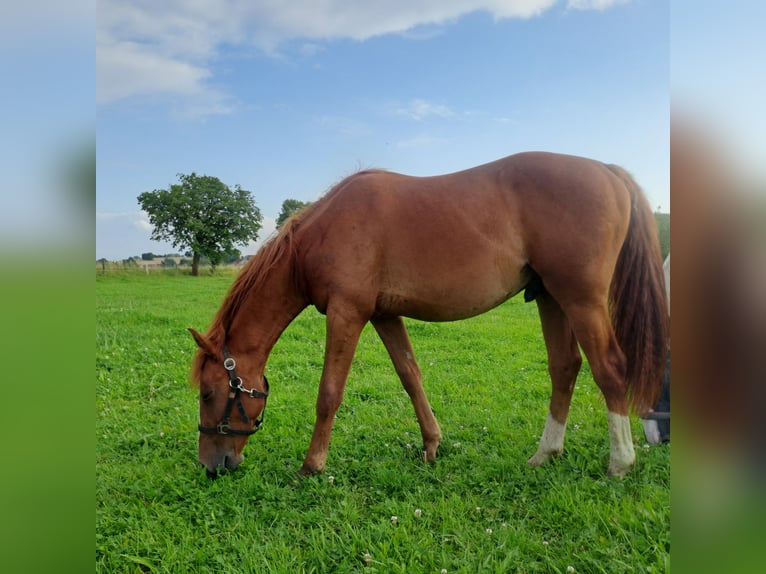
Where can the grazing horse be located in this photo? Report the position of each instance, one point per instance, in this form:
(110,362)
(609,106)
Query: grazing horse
(576,235)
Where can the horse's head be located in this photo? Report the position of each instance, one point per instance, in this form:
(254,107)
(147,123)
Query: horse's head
(230,406)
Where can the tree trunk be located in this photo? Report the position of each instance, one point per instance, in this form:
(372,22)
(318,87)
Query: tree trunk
(195,264)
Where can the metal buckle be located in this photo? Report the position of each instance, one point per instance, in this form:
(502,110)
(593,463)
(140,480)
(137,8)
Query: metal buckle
(223,427)
(238,386)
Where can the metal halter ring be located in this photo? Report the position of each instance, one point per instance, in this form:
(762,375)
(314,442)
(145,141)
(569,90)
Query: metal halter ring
(229,364)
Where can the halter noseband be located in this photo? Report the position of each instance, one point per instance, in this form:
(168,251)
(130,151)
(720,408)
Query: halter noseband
(236,388)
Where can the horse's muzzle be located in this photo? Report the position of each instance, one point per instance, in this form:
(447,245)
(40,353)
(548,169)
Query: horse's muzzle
(224,462)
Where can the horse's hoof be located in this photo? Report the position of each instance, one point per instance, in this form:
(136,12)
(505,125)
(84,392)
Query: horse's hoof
(618,470)
(306,471)
(541,457)
(537,460)
(429,451)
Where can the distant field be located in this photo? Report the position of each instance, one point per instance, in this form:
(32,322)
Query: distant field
(480,508)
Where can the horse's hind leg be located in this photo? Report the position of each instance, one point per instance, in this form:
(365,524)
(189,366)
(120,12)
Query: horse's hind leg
(564,362)
(393,333)
(594,332)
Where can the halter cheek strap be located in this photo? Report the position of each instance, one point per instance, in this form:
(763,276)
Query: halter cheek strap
(236,389)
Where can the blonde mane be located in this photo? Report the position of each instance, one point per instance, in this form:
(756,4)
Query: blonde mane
(277,248)
(274,251)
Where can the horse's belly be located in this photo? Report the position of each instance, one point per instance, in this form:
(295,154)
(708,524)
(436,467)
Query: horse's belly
(451,284)
(445,302)
(427,311)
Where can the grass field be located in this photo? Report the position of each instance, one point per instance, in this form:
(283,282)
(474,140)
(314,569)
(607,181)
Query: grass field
(480,508)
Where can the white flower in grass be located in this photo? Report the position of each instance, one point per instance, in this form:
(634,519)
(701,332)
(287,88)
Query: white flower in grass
(444,571)
(484,429)
(545,543)
(456,445)
(331,479)
(488,531)
(394,520)
(367,558)
(570,569)
(418,512)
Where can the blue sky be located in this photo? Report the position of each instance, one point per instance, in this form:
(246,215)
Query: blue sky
(286,98)
(47,118)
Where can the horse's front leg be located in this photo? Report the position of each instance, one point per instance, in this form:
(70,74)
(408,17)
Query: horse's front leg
(342,338)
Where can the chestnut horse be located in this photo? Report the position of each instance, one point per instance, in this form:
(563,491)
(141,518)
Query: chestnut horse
(575,234)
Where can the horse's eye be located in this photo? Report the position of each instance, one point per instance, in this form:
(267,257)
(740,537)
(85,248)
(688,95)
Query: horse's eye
(206,395)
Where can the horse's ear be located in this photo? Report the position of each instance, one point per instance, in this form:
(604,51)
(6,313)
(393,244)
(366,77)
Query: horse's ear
(202,342)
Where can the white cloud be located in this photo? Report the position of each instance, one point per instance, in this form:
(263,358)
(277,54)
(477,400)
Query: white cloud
(144,225)
(168,48)
(277,21)
(138,220)
(162,49)
(128,68)
(593,4)
(419,109)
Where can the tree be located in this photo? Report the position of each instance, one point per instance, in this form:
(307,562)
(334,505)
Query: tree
(290,207)
(663,228)
(202,216)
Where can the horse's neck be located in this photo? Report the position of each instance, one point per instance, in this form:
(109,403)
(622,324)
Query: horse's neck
(266,313)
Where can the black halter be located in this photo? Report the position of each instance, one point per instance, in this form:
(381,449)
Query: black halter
(236,388)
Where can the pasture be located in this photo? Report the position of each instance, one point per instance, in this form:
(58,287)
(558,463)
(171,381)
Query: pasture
(479,508)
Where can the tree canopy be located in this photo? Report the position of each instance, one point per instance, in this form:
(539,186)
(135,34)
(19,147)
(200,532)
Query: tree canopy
(203,215)
(290,207)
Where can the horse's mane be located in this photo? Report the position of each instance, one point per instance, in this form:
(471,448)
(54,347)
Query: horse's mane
(279,246)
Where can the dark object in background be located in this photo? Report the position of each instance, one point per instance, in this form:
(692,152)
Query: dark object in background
(657,422)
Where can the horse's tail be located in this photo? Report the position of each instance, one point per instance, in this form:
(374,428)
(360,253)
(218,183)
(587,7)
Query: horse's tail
(637,301)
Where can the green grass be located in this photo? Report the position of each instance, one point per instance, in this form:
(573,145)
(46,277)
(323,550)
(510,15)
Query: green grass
(481,508)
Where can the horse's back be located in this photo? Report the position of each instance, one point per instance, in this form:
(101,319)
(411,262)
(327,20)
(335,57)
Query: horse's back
(451,246)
